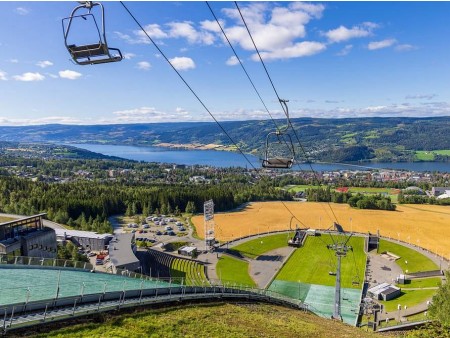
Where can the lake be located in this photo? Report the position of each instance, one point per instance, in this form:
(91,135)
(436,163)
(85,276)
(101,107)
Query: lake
(229,159)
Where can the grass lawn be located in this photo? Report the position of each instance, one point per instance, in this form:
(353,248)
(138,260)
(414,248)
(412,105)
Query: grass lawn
(258,246)
(297,188)
(422,283)
(210,320)
(231,269)
(408,298)
(370,190)
(312,263)
(415,260)
(429,155)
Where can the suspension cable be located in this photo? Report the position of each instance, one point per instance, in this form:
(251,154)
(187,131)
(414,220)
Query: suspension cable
(198,98)
(248,75)
(279,99)
(187,85)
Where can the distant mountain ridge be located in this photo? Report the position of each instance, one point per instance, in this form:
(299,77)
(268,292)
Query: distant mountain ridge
(384,139)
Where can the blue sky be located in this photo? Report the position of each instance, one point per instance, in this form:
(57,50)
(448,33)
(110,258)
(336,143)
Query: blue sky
(330,59)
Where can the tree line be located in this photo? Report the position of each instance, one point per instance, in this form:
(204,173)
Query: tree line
(87,204)
(360,201)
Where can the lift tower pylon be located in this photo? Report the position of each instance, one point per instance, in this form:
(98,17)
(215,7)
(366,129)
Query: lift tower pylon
(341,248)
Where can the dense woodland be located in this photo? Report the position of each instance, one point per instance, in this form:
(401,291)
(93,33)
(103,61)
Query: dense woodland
(375,202)
(87,204)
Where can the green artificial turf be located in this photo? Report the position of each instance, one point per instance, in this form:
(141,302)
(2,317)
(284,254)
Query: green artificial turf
(258,246)
(233,270)
(410,259)
(312,263)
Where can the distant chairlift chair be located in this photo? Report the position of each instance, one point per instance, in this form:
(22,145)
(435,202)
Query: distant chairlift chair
(94,53)
(274,161)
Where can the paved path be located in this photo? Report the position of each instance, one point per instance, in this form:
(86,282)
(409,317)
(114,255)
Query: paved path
(381,270)
(265,267)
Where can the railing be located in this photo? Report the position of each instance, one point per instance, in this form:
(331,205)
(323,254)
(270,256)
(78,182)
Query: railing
(47,262)
(34,313)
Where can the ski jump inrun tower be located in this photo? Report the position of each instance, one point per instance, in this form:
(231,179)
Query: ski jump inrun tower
(208,211)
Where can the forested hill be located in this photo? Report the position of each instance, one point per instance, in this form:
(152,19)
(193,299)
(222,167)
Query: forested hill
(384,139)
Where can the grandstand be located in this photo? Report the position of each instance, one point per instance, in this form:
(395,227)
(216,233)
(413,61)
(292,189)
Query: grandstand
(192,272)
(162,265)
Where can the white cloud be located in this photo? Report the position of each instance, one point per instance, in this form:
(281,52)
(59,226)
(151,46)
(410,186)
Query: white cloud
(128,56)
(42,120)
(405,48)
(22,11)
(29,77)
(3,76)
(344,51)
(343,33)
(314,10)
(420,96)
(143,65)
(13,60)
(149,114)
(186,30)
(232,61)
(211,25)
(274,28)
(301,49)
(44,64)
(182,63)
(69,74)
(374,45)
(154,30)
(139,37)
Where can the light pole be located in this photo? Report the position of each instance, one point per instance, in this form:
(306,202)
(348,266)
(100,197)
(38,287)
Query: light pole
(351,224)
(399,307)
(398,236)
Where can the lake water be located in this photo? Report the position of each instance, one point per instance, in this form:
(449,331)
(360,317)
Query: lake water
(229,159)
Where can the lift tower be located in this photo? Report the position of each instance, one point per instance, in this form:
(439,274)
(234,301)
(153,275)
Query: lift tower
(341,248)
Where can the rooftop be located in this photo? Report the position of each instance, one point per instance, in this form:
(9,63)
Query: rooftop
(79,233)
(120,250)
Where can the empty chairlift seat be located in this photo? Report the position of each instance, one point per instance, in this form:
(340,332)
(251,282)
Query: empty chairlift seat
(90,53)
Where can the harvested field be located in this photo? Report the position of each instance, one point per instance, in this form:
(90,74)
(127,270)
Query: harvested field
(422,225)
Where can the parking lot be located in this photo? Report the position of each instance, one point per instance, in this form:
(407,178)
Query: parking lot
(158,229)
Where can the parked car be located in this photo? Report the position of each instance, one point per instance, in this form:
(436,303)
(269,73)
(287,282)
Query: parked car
(159,233)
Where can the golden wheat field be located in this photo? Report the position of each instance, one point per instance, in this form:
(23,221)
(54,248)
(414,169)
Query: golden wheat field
(425,225)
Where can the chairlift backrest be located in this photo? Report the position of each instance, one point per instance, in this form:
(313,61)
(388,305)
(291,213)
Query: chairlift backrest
(93,53)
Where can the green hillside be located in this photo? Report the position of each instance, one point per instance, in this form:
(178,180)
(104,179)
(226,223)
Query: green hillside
(382,139)
(213,320)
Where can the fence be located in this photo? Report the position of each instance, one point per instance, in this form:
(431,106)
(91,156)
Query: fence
(28,313)
(47,262)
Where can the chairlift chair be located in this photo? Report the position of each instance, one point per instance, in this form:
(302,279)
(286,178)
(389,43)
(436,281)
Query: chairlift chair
(274,161)
(93,53)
